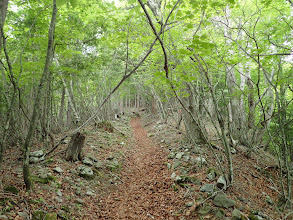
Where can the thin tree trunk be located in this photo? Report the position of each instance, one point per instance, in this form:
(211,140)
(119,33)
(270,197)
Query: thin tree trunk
(61,122)
(26,171)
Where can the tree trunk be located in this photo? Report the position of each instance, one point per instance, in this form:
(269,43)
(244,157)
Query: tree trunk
(26,172)
(193,130)
(74,150)
(61,122)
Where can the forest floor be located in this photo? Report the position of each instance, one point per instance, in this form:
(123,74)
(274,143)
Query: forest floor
(135,178)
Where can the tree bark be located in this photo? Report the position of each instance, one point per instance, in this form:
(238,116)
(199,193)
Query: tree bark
(74,150)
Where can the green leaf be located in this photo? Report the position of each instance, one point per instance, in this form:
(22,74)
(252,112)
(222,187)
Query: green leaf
(73,3)
(131,1)
(60,2)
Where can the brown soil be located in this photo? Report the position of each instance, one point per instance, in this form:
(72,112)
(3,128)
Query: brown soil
(146,191)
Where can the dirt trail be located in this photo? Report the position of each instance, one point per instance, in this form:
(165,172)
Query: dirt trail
(146,191)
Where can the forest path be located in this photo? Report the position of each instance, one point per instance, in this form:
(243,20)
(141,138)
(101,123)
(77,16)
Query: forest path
(146,191)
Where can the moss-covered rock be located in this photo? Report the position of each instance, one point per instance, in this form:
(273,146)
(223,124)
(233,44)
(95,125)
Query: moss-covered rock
(51,216)
(38,215)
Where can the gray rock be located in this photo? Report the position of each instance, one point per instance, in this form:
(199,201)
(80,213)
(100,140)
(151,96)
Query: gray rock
(179,155)
(36,159)
(85,172)
(200,161)
(59,200)
(186,158)
(236,214)
(79,201)
(169,165)
(221,200)
(171,155)
(110,157)
(208,188)
(92,158)
(211,175)
(90,193)
(221,183)
(189,204)
(3,217)
(58,170)
(73,171)
(59,193)
(23,215)
(173,176)
(66,141)
(99,165)
(176,164)
(38,153)
(87,161)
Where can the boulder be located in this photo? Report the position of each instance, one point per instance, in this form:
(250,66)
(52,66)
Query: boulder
(221,200)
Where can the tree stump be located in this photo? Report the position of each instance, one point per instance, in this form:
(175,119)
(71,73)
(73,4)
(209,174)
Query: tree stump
(74,150)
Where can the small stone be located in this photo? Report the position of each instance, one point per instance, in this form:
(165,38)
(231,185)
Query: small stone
(171,155)
(200,161)
(173,175)
(3,217)
(87,161)
(208,188)
(66,141)
(221,200)
(179,155)
(99,165)
(211,175)
(169,165)
(221,183)
(23,215)
(150,135)
(59,200)
(189,204)
(38,153)
(110,157)
(89,193)
(85,172)
(36,159)
(58,170)
(59,193)
(236,214)
(176,164)
(79,201)
(73,171)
